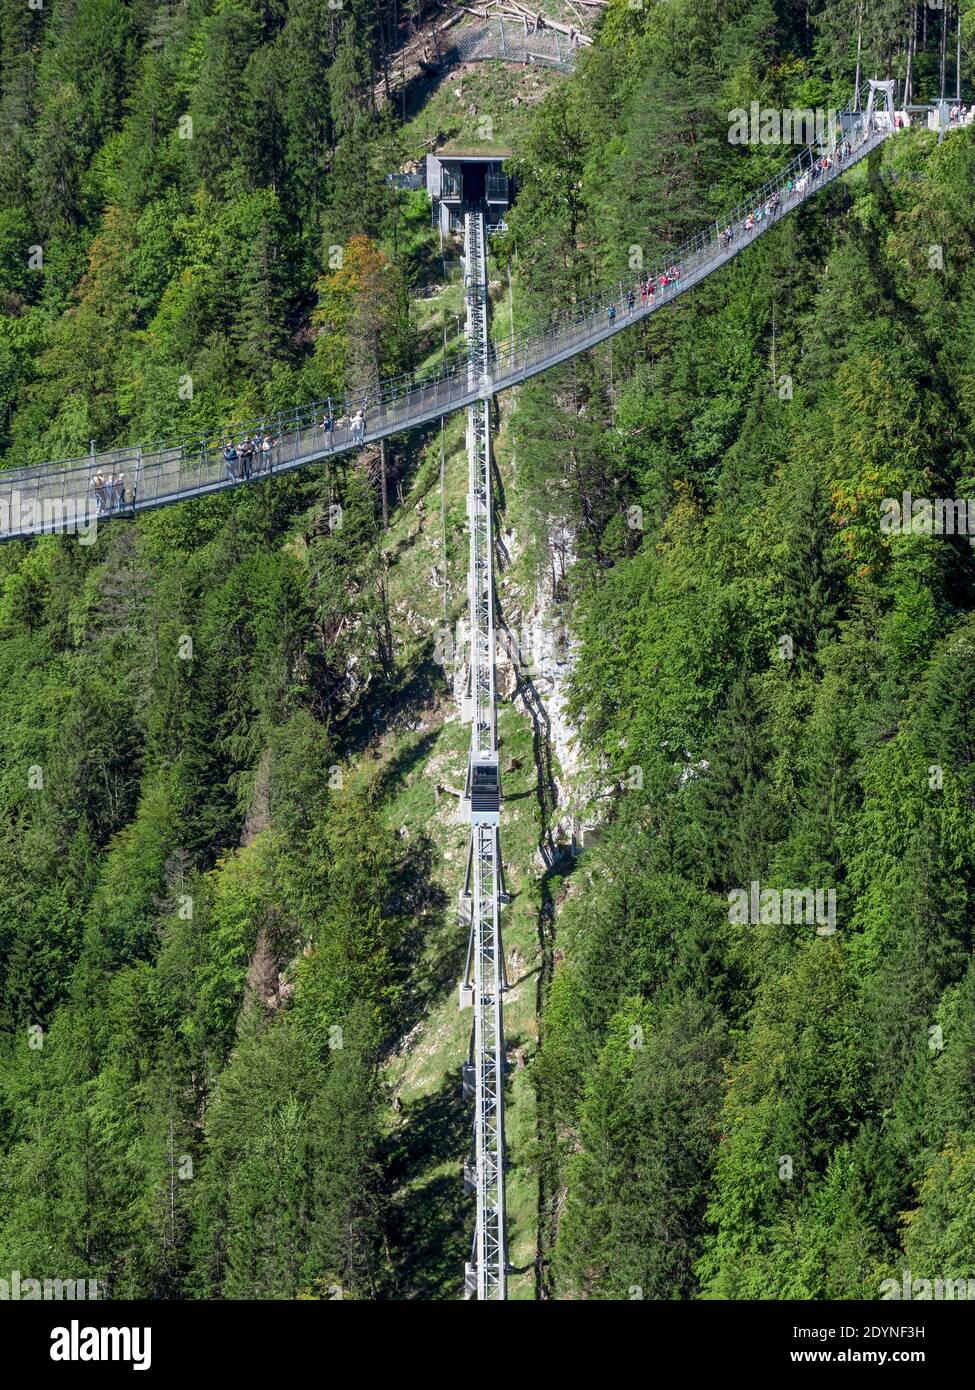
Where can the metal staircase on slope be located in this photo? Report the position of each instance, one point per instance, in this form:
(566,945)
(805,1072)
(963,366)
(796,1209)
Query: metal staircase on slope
(483,893)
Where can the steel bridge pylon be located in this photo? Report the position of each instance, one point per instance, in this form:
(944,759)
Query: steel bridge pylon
(885,91)
(483,894)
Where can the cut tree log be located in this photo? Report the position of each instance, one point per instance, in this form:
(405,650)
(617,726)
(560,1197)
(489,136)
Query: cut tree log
(512,10)
(540,21)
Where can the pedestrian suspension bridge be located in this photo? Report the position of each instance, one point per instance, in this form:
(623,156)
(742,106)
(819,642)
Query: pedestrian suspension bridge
(49,497)
(58,497)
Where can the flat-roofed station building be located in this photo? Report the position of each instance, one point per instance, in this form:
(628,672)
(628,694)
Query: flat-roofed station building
(461,177)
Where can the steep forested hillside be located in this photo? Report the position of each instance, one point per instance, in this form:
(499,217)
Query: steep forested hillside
(227,875)
(780,693)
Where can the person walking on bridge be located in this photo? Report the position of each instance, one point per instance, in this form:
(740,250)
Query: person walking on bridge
(267,448)
(230,461)
(97,485)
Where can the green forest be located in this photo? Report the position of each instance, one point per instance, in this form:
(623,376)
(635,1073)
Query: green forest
(230,1049)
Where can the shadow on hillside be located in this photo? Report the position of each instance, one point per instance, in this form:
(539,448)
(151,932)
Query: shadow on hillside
(399,767)
(502,555)
(427,1221)
(437,942)
(430,950)
(434,947)
(391,706)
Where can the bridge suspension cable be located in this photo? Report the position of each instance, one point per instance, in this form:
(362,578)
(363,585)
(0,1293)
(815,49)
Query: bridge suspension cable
(56,497)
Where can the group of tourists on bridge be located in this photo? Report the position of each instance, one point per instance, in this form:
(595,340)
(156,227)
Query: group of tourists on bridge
(765,210)
(109,490)
(648,288)
(356,426)
(794,187)
(253,455)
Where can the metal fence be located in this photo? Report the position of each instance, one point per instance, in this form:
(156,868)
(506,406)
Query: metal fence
(512,42)
(49,497)
(408,182)
(450,182)
(497,186)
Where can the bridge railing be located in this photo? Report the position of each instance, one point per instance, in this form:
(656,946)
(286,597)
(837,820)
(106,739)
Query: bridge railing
(704,250)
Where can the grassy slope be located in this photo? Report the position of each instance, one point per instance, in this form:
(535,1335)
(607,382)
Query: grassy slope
(457,106)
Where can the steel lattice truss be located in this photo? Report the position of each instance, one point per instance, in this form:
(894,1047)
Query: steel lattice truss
(484,980)
(488,1252)
(481,573)
(480,581)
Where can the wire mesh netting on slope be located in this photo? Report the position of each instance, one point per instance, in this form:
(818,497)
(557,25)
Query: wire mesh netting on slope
(511,42)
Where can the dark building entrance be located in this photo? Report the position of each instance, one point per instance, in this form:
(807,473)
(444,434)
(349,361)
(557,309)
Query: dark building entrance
(472,176)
